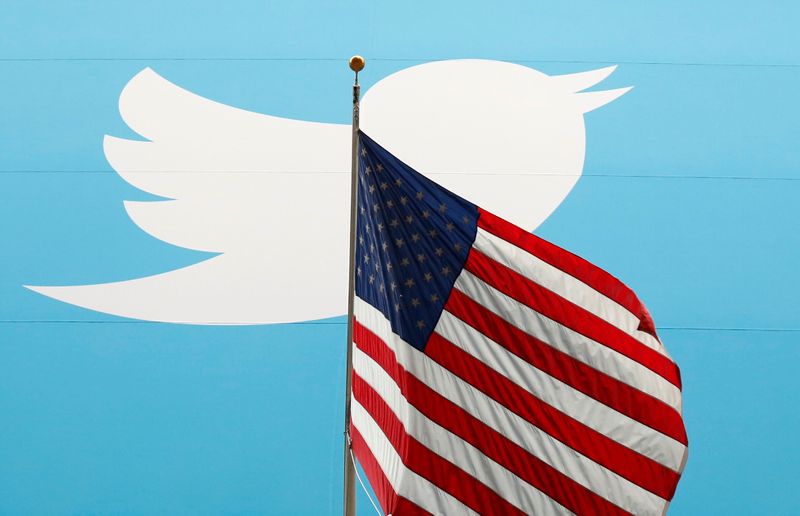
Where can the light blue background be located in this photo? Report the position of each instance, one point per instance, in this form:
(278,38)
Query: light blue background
(690,195)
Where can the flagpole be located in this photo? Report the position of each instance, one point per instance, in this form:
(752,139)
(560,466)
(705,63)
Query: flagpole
(356,64)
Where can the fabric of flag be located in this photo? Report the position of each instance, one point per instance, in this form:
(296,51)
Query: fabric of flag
(495,373)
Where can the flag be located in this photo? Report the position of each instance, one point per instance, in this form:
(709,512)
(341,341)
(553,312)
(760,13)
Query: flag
(495,373)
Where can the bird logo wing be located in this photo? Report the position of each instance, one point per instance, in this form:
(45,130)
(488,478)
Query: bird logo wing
(258,189)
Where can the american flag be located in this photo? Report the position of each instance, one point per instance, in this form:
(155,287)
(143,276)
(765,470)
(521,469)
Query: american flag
(495,373)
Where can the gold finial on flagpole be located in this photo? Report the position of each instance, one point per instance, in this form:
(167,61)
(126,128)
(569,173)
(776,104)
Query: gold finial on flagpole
(357,63)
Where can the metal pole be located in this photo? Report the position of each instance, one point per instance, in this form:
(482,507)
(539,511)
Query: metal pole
(356,64)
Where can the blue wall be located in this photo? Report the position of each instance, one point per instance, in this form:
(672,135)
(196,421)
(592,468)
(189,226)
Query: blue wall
(690,195)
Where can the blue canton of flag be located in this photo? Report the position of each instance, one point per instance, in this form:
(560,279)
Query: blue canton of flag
(413,239)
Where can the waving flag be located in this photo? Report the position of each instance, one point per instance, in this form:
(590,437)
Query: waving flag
(495,373)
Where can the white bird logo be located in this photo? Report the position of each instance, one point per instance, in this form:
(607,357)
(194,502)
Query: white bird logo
(271,194)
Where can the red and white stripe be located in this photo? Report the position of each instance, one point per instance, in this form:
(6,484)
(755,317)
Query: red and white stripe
(543,389)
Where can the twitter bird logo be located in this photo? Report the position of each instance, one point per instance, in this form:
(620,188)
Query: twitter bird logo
(271,194)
